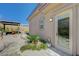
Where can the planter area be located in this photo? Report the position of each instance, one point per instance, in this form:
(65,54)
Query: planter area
(34,43)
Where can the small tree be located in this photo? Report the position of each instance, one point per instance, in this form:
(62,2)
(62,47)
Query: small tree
(33,38)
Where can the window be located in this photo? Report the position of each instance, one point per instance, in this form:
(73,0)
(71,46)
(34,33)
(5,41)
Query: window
(41,24)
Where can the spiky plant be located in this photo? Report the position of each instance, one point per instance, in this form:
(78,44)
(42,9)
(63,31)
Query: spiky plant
(33,38)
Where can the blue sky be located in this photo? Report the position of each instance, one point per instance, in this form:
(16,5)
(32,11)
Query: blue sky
(16,12)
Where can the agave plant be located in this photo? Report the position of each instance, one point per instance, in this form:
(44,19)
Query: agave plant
(33,38)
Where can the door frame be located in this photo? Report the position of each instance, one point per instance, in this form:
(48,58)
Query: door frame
(67,13)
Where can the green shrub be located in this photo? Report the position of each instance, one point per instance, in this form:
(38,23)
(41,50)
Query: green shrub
(25,47)
(34,43)
(33,47)
(43,41)
(43,46)
(33,38)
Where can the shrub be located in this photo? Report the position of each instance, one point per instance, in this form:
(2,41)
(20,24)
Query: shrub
(43,41)
(33,38)
(34,43)
(33,47)
(25,47)
(43,46)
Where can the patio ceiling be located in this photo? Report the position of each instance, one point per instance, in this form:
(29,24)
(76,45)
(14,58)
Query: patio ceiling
(9,23)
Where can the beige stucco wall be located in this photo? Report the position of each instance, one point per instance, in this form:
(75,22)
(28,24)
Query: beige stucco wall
(77,30)
(34,25)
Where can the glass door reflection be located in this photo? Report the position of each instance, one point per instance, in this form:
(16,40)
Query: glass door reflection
(63,32)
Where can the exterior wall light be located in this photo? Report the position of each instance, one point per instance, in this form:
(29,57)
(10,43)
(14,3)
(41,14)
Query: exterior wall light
(50,20)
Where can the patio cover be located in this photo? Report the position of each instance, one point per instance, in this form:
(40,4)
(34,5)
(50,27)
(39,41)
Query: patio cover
(9,23)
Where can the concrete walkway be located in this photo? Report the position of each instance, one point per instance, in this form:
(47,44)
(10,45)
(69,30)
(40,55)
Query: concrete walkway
(12,44)
(47,52)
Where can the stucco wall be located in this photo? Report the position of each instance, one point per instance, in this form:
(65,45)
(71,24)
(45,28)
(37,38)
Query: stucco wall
(34,25)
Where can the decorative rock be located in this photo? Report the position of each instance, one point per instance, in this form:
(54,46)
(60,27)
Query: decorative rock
(48,44)
(1,45)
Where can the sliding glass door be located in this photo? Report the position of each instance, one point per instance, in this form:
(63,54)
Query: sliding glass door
(63,30)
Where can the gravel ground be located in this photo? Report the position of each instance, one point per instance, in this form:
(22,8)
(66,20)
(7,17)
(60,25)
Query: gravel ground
(11,47)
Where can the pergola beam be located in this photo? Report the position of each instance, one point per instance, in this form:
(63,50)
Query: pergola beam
(9,23)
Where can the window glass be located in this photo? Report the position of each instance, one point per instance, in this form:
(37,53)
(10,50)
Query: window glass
(42,24)
(63,32)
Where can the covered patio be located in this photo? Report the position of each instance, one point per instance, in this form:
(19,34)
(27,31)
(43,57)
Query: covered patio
(9,26)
